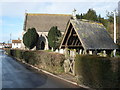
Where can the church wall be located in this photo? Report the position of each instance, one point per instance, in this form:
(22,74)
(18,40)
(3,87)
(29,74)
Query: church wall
(44,34)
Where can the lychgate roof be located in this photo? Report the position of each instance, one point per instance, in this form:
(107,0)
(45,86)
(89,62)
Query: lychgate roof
(43,22)
(92,35)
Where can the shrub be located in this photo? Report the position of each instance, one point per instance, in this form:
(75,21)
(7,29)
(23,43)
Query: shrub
(8,51)
(97,72)
(54,37)
(50,61)
(30,38)
(19,54)
(30,57)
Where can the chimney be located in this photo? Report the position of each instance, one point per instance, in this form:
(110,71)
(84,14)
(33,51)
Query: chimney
(18,38)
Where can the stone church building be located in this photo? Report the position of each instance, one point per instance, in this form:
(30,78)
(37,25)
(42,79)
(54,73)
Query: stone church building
(42,23)
(82,35)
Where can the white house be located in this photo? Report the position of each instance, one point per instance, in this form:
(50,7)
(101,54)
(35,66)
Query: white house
(1,45)
(16,43)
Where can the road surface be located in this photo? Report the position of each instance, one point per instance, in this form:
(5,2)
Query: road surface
(17,75)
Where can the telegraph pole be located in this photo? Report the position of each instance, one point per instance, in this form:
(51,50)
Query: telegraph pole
(114,52)
(10,37)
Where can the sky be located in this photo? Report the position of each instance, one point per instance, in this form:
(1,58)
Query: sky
(12,12)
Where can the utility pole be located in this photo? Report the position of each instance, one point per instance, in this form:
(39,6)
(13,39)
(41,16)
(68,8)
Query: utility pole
(10,37)
(114,52)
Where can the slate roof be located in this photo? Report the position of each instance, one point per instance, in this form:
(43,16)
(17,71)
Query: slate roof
(43,22)
(92,35)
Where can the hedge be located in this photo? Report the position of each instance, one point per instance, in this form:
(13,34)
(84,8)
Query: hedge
(98,72)
(50,61)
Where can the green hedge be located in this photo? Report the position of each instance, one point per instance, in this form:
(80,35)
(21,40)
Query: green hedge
(98,72)
(17,53)
(50,61)
(8,51)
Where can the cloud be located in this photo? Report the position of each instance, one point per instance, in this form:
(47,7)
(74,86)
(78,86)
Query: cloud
(15,9)
(13,13)
(103,7)
(81,7)
(0,22)
(59,0)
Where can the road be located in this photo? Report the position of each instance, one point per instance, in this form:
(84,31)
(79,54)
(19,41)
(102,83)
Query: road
(17,75)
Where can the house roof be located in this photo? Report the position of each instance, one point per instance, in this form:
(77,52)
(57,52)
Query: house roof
(92,35)
(43,22)
(16,41)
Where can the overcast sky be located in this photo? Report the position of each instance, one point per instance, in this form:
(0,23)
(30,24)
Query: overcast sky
(12,12)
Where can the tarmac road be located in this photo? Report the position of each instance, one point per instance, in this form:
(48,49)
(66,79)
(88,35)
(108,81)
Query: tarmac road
(17,75)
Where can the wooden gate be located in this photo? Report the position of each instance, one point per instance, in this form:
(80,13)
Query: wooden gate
(69,63)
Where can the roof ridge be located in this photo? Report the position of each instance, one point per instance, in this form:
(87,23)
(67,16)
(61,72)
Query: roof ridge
(90,21)
(16,40)
(47,14)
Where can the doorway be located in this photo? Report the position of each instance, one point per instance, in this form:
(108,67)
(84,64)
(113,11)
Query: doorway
(42,45)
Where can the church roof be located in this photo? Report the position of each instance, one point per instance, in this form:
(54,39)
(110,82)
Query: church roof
(92,35)
(43,22)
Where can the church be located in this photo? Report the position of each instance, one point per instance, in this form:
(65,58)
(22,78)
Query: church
(80,34)
(42,23)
